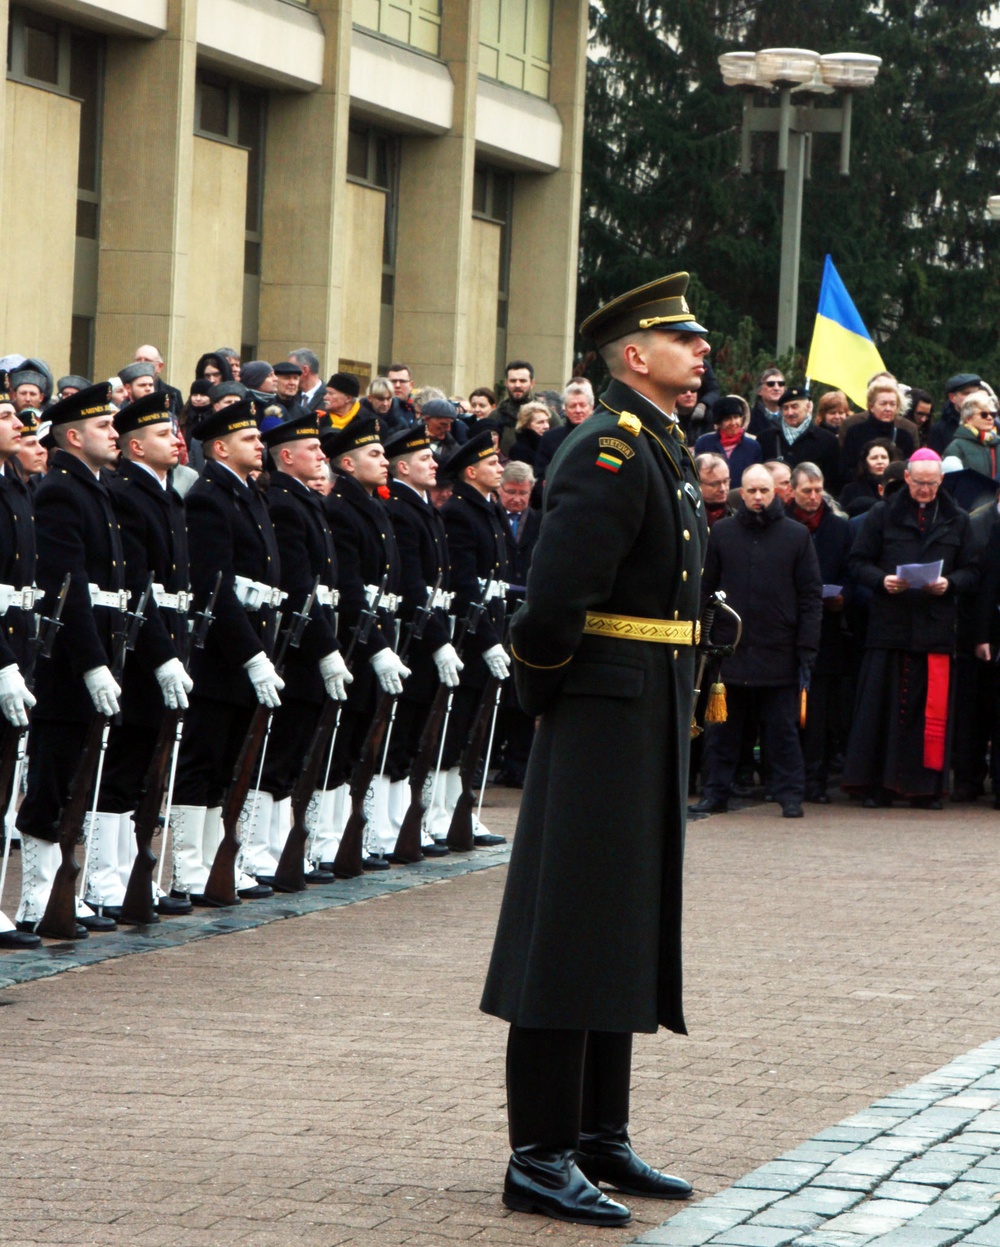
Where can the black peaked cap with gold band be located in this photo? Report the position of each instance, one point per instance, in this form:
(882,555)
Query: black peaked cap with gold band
(95,400)
(227,420)
(407,441)
(281,431)
(473,451)
(659,304)
(361,431)
(150,409)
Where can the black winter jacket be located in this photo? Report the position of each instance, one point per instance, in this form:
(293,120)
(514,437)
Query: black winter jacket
(768,569)
(915,620)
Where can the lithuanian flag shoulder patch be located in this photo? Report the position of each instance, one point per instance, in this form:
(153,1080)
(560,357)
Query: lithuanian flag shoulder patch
(611,462)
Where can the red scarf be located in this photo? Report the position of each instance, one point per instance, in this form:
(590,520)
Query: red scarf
(730,441)
(716,513)
(811,519)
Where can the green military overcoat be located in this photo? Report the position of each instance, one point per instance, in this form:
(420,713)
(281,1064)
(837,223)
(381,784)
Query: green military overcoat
(589,935)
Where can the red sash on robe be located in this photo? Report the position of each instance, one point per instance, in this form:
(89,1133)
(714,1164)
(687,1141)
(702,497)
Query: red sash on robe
(936,710)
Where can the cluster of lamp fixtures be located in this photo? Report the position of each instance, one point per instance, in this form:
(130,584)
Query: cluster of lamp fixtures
(796,67)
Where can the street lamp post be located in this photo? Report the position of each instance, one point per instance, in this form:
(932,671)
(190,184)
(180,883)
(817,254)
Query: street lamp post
(796,72)
(993,207)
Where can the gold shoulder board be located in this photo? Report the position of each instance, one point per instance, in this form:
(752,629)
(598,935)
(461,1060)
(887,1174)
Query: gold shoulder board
(631,424)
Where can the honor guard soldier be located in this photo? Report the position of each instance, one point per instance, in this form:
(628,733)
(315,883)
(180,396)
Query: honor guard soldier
(424,580)
(151,518)
(76,533)
(477,553)
(367,558)
(316,668)
(17,596)
(229,530)
(588,942)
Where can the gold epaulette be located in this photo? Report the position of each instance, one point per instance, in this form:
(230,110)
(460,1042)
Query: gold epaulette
(631,424)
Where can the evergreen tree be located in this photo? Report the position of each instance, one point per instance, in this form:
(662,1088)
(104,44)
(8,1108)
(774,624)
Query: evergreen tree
(908,230)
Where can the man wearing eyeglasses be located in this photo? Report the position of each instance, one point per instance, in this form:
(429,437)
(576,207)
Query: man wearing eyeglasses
(901,735)
(766,411)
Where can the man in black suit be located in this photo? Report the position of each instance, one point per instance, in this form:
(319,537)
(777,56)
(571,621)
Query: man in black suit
(77,533)
(316,668)
(150,515)
(229,530)
(366,555)
(311,387)
(423,557)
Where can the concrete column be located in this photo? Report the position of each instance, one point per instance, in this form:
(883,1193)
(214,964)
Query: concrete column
(430,326)
(545,230)
(146,172)
(303,262)
(4,23)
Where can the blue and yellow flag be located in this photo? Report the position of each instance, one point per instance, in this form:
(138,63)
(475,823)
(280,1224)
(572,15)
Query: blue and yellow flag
(842,351)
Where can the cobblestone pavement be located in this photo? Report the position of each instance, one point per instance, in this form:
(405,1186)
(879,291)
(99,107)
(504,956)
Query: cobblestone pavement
(329,1080)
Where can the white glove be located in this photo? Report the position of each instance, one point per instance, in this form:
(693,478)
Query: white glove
(175,684)
(335,675)
(267,684)
(448,663)
(16,698)
(498,661)
(390,671)
(103,689)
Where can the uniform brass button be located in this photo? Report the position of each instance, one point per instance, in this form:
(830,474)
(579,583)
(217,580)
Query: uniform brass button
(687,535)
(675,655)
(684,575)
(677,614)
(678,493)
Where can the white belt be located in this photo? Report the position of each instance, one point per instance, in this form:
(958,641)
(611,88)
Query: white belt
(254,595)
(117,598)
(387,602)
(24,599)
(179,601)
(327,597)
(439,599)
(493,589)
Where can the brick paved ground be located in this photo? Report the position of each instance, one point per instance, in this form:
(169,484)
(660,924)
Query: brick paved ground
(328,1079)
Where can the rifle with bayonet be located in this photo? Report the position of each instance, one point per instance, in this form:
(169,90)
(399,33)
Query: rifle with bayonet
(139,907)
(348,863)
(221,886)
(14,739)
(290,875)
(59,919)
(408,841)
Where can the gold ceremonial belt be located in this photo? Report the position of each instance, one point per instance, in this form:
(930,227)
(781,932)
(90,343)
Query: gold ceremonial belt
(633,628)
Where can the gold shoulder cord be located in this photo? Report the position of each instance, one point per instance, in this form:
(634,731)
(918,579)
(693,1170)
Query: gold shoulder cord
(649,433)
(536,666)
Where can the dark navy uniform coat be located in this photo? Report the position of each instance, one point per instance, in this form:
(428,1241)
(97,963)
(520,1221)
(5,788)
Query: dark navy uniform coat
(154,540)
(75,531)
(589,936)
(477,551)
(229,530)
(17,563)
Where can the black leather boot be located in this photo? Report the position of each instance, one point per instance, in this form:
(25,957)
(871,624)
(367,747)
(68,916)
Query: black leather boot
(547,1181)
(544,1088)
(605,1153)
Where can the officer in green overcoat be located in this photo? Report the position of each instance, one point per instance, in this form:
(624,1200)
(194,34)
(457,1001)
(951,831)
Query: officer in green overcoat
(588,946)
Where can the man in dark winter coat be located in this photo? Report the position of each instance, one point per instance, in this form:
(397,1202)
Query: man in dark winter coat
(832,539)
(796,438)
(588,943)
(768,568)
(945,427)
(899,743)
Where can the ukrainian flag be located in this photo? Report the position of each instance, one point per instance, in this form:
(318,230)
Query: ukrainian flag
(842,352)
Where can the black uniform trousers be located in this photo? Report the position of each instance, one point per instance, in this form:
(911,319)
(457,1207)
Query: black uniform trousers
(54,750)
(214,731)
(130,751)
(779,715)
(292,727)
(355,719)
(404,742)
(463,711)
(564,1083)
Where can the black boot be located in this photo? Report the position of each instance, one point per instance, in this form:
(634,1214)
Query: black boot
(544,1084)
(605,1153)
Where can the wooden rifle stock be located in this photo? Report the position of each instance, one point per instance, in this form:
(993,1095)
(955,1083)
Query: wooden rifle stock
(460,833)
(348,862)
(59,919)
(221,885)
(408,841)
(138,907)
(290,875)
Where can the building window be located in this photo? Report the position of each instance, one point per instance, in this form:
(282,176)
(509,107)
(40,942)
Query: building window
(493,200)
(515,43)
(373,161)
(417,23)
